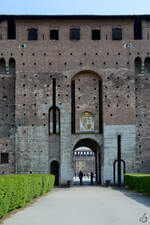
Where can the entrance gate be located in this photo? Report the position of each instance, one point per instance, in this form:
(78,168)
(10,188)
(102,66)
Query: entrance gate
(94,146)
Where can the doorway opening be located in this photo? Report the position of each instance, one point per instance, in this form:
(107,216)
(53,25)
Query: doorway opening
(86,155)
(55,171)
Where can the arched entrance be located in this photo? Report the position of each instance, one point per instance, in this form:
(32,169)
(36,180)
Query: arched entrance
(55,171)
(95,148)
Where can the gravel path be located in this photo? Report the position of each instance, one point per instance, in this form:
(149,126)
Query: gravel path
(85,206)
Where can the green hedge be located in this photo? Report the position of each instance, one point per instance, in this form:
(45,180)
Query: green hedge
(138,182)
(17,190)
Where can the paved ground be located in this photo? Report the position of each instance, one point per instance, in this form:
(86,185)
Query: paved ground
(86,180)
(85,206)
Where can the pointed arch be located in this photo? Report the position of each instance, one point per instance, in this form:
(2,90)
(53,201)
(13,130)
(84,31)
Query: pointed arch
(12,66)
(147,65)
(138,65)
(2,66)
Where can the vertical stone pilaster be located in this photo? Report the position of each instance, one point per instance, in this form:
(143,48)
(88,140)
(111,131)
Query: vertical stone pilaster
(66,169)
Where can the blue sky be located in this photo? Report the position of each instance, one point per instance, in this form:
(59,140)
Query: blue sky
(105,7)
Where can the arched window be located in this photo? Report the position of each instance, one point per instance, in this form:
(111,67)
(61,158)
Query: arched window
(138,65)
(54,120)
(147,65)
(2,66)
(87,122)
(12,67)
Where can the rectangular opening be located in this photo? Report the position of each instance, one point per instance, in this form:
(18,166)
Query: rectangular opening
(54,35)
(75,34)
(4,158)
(32,34)
(117,34)
(100,108)
(11,29)
(73,106)
(119,147)
(119,160)
(54,106)
(137,29)
(96,35)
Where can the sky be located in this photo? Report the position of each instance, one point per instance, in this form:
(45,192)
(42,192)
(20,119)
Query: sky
(69,7)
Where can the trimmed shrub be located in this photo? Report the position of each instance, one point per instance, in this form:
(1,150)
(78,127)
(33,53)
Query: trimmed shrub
(138,182)
(17,190)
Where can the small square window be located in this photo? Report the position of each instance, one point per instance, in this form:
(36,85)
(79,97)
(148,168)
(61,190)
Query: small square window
(96,35)
(11,29)
(4,158)
(137,29)
(54,35)
(32,34)
(75,34)
(117,34)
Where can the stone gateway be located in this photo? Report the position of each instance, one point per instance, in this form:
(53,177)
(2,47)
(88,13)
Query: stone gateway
(74,81)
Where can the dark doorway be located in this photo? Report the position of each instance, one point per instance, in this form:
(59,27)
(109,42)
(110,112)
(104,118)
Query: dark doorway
(55,171)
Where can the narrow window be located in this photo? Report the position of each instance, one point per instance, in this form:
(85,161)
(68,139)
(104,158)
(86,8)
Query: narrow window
(119,147)
(117,34)
(73,106)
(54,105)
(138,65)
(54,114)
(2,66)
(12,67)
(54,126)
(96,34)
(100,108)
(75,34)
(54,35)
(119,160)
(32,34)
(4,158)
(11,29)
(137,29)
(147,65)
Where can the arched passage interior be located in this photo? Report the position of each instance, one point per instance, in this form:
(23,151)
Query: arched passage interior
(94,146)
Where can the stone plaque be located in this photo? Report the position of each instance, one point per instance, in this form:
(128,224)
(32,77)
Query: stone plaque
(87,122)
